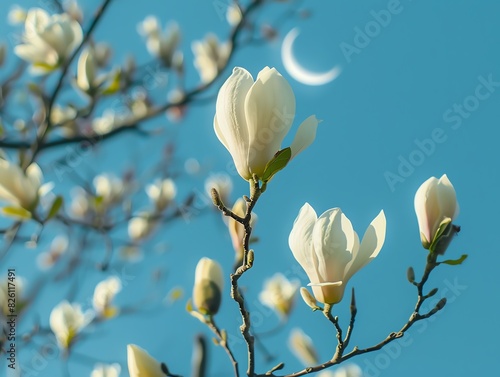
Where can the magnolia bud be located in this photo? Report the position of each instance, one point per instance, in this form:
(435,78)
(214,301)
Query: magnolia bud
(208,283)
(410,275)
(309,299)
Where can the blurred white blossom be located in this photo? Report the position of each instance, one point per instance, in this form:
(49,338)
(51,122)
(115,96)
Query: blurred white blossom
(67,321)
(48,39)
(161,193)
(233,14)
(106,370)
(222,183)
(17,15)
(210,56)
(19,188)
(279,294)
(58,247)
(72,8)
(140,227)
(104,293)
(302,347)
(109,188)
(161,44)
(87,79)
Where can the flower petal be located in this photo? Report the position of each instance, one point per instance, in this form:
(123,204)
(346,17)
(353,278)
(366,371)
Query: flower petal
(447,198)
(305,135)
(334,239)
(230,123)
(372,242)
(269,109)
(301,243)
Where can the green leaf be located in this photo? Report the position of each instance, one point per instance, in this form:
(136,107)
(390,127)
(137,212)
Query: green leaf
(56,206)
(278,162)
(17,212)
(455,262)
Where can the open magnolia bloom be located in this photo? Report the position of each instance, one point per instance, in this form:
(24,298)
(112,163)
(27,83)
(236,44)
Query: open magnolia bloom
(19,188)
(302,346)
(142,364)
(253,117)
(66,322)
(161,44)
(48,39)
(279,294)
(210,56)
(436,207)
(104,293)
(329,251)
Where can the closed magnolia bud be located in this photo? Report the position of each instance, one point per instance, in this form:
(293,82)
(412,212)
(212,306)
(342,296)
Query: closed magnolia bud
(309,299)
(142,364)
(432,292)
(208,284)
(410,275)
(246,110)
(436,207)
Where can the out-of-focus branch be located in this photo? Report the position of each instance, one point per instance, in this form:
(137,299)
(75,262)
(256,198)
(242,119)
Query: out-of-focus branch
(46,126)
(132,123)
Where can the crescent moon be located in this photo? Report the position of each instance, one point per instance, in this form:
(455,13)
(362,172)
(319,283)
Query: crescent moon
(298,72)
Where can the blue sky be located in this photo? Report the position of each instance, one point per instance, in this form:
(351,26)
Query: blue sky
(429,77)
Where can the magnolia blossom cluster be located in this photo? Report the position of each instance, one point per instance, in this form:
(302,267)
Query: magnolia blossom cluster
(48,40)
(68,320)
(162,44)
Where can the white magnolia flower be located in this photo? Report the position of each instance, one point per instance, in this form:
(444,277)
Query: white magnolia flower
(19,188)
(435,204)
(106,370)
(350,370)
(65,120)
(48,39)
(279,294)
(104,294)
(107,122)
(253,118)
(17,15)
(237,230)
(329,251)
(80,206)
(160,44)
(302,347)
(67,321)
(208,285)
(102,53)
(141,364)
(86,75)
(210,56)
(72,8)
(222,183)
(109,187)
(161,193)
(57,249)
(140,227)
